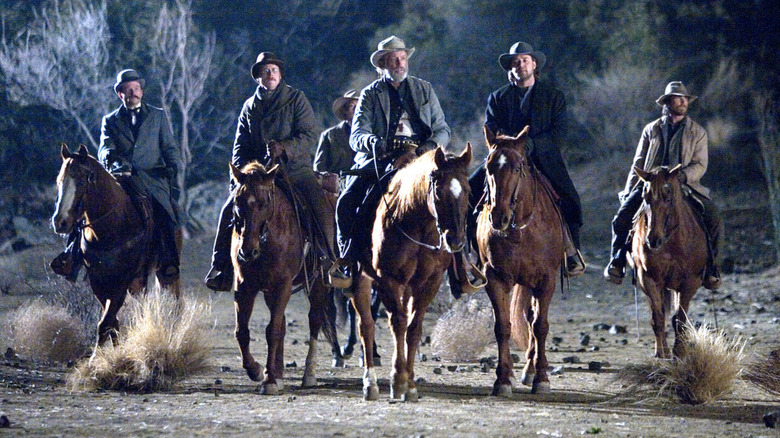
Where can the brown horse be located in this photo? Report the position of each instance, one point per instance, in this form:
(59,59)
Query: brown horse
(270,254)
(669,253)
(520,236)
(117,239)
(420,223)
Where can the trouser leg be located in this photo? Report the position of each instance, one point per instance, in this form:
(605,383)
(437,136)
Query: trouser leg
(220,259)
(168,252)
(712,221)
(306,182)
(621,226)
(346,216)
(476,200)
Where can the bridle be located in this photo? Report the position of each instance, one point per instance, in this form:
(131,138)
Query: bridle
(525,169)
(668,230)
(90,183)
(269,193)
(430,200)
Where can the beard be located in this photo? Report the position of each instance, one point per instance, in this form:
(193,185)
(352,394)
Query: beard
(398,75)
(678,110)
(518,76)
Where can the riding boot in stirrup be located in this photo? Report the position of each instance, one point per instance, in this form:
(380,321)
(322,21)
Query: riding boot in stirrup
(616,270)
(575,264)
(340,274)
(711,277)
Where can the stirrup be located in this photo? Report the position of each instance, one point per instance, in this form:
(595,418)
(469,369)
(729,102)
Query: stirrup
(462,271)
(578,267)
(337,277)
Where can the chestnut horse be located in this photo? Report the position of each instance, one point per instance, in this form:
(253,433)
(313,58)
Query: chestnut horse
(520,236)
(420,222)
(269,254)
(669,253)
(116,241)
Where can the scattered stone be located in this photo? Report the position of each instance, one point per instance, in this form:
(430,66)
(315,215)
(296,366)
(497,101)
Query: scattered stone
(618,330)
(292,323)
(437,370)
(554,348)
(420,380)
(557,340)
(484,367)
(423,357)
(771,420)
(291,398)
(557,371)
(602,326)
(4,421)
(571,359)
(217,381)
(579,350)
(225,369)
(594,365)
(292,364)
(624,342)
(426,340)
(515,357)
(489,361)
(594,348)
(295,342)
(10,354)
(585,339)
(452,368)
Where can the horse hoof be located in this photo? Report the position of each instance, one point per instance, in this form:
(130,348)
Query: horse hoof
(254,371)
(309,381)
(399,392)
(541,388)
(502,390)
(527,379)
(371,393)
(338,362)
(269,389)
(411,396)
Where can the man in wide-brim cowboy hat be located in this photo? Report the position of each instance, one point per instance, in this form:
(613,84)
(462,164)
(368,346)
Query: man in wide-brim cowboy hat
(333,152)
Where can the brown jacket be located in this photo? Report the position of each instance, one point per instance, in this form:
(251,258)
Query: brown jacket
(694,154)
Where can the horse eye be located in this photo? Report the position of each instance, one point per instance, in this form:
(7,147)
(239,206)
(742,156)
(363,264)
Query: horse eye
(517,169)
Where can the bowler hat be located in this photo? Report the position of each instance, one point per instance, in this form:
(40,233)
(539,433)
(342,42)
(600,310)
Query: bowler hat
(265,58)
(339,105)
(521,48)
(125,76)
(391,44)
(675,88)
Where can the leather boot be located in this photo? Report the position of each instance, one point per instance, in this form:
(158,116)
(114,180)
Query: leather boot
(340,274)
(69,262)
(220,276)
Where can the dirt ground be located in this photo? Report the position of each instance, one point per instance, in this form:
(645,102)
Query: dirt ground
(455,398)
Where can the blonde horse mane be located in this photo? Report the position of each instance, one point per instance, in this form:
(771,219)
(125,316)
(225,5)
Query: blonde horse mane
(409,187)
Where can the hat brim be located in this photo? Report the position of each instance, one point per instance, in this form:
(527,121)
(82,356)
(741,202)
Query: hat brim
(376,56)
(662,100)
(505,60)
(257,65)
(338,106)
(119,84)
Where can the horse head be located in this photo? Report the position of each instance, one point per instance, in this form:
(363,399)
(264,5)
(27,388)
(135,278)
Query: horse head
(507,167)
(253,207)
(662,196)
(448,196)
(78,174)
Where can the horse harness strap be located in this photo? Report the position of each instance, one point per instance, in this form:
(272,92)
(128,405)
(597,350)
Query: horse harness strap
(435,216)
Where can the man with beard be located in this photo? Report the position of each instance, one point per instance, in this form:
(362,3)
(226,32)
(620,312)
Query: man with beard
(668,141)
(398,117)
(528,101)
(276,122)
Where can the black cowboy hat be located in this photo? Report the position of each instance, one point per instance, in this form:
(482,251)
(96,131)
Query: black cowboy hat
(265,58)
(125,76)
(521,48)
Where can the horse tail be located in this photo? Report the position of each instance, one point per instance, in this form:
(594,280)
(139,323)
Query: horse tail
(518,315)
(327,313)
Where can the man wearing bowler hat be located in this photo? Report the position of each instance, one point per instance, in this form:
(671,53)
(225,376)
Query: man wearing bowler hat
(674,139)
(136,142)
(333,152)
(276,123)
(528,101)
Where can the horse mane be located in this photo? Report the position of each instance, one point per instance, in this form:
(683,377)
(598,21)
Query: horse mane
(409,187)
(253,168)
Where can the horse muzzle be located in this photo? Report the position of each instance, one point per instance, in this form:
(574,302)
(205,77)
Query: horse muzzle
(500,222)
(451,244)
(249,255)
(62,225)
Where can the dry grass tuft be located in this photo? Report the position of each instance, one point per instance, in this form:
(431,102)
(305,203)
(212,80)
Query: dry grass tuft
(765,372)
(47,333)
(161,342)
(464,331)
(708,368)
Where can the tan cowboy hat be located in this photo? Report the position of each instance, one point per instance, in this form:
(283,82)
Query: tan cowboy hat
(391,44)
(521,48)
(675,88)
(339,105)
(265,58)
(125,76)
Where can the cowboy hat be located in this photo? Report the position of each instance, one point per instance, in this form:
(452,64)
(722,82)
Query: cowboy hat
(125,76)
(521,48)
(265,58)
(675,88)
(339,105)
(391,44)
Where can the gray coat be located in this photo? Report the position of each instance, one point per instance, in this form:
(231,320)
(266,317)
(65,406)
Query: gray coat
(333,152)
(372,118)
(154,157)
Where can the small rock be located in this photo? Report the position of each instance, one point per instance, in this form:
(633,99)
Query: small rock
(419,380)
(292,364)
(571,359)
(515,357)
(452,368)
(594,348)
(295,342)
(484,367)
(489,361)
(557,370)
(585,339)
(624,342)
(580,350)
(554,348)
(4,421)
(557,340)
(771,419)
(217,381)
(437,370)
(602,326)
(225,369)
(423,358)
(594,365)
(291,398)
(618,330)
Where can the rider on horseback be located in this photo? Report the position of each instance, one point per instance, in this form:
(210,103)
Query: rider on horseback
(668,141)
(277,122)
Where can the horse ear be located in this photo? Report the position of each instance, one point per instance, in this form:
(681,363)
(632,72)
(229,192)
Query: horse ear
(490,137)
(466,155)
(438,157)
(64,152)
(235,174)
(523,133)
(82,150)
(644,176)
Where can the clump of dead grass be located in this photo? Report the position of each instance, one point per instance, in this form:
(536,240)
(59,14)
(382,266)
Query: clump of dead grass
(708,367)
(162,341)
(463,332)
(47,333)
(764,372)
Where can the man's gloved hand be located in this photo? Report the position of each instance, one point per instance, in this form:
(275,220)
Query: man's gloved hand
(274,149)
(682,177)
(121,167)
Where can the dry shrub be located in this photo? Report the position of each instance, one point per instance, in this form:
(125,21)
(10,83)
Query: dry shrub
(47,333)
(161,342)
(764,372)
(464,331)
(708,367)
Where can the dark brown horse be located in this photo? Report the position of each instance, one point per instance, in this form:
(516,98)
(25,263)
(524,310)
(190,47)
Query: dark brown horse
(520,238)
(669,253)
(420,223)
(270,254)
(117,239)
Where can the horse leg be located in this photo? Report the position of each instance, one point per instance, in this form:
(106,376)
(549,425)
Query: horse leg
(244,301)
(421,299)
(498,292)
(318,313)
(339,303)
(276,299)
(108,326)
(393,297)
(540,328)
(349,347)
(680,317)
(375,303)
(658,314)
(362,303)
